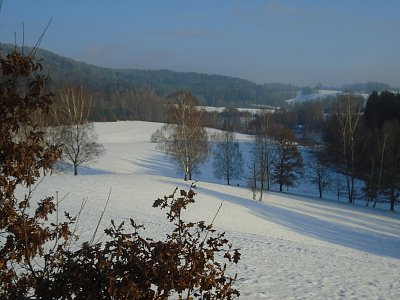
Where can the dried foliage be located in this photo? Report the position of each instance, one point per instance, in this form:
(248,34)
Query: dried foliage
(129,266)
(22,236)
(36,257)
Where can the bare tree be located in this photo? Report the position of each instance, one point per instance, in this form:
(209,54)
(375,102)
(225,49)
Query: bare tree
(228,161)
(75,133)
(263,153)
(186,142)
(319,171)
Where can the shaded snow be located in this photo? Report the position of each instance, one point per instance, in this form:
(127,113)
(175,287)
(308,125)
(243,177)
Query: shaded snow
(292,247)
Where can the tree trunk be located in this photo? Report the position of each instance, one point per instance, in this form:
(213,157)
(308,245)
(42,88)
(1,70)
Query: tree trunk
(392,198)
(75,170)
(385,137)
(261,187)
(393,178)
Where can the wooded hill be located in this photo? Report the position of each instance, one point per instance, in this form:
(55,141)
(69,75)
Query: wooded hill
(213,90)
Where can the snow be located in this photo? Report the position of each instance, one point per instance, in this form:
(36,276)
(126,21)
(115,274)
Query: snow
(319,94)
(253,111)
(292,247)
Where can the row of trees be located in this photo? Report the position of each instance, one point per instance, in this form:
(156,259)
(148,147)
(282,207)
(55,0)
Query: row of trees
(353,137)
(67,125)
(134,103)
(275,156)
(360,143)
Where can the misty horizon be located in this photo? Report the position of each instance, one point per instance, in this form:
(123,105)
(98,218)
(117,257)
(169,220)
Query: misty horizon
(303,44)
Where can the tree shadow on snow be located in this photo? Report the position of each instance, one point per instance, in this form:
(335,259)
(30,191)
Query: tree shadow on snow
(82,170)
(157,165)
(363,239)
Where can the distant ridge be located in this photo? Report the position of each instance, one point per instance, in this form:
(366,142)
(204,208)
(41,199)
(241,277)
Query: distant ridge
(213,90)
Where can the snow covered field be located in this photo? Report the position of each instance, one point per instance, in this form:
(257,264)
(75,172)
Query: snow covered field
(292,247)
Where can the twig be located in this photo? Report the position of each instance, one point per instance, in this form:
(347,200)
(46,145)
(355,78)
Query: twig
(33,52)
(101,217)
(77,217)
(212,222)
(63,198)
(23,38)
(219,208)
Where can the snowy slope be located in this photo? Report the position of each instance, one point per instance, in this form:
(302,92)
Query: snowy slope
(292,247)
(319,94)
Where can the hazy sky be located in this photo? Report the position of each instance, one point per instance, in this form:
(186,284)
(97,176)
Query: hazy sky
(299,42)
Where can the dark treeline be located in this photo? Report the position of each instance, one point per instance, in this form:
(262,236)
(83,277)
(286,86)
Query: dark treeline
(361,140)
(128,104)
(357,138)
(212,90)
(309,117)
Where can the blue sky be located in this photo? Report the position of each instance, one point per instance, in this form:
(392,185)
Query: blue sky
(298,42)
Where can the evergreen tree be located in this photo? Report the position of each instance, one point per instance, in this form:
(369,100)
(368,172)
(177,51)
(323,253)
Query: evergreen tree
(382,117)
(288,164)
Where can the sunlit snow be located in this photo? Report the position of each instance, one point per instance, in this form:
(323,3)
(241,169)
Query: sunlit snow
(292,247)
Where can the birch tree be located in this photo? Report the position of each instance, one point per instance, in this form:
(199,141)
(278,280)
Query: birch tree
(186,141)
(319,171)
(75,133)
(348,114)
(263,154)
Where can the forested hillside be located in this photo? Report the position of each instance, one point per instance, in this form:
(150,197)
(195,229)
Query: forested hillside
(213,90)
